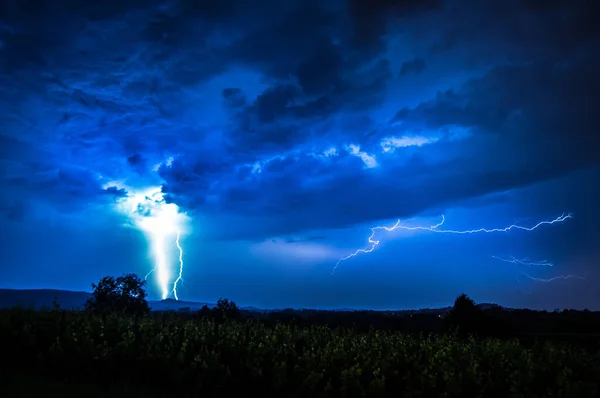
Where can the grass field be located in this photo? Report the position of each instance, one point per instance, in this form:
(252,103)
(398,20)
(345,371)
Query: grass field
(158,355)
(28,385)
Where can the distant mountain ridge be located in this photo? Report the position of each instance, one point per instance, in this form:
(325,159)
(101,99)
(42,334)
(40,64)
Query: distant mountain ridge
(68,299)
(40,298)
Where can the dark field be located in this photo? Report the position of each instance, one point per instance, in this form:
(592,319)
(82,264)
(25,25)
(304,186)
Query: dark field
(295,353)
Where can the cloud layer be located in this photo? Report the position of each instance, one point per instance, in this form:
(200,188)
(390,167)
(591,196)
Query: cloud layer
(293,116)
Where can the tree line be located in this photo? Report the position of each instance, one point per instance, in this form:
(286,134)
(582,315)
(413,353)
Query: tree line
(126,295)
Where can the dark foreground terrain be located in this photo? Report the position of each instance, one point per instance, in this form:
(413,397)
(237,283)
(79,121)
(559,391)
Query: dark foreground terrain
(317,354)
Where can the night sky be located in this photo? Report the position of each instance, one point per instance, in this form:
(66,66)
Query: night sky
(282,131)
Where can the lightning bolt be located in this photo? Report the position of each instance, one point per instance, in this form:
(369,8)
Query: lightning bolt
(435,229)
(564,277)
(160,221)
(180,276)
(162,269)
(526,262)
(149,273)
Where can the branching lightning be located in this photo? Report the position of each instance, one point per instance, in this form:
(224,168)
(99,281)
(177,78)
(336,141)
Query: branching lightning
(524,261)
(149,273)
(548,280)
(546,263)
(435,229)
(160,222)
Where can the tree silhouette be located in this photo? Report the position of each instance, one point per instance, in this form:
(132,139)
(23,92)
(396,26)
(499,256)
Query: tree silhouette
(205,312)
(465,315)
(124,294)
(227,309)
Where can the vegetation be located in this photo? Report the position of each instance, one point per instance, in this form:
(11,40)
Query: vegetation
(465,316)
(225,309)
(217,352)
(124,294)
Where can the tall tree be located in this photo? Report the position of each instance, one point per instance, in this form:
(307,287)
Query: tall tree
(124,294)
(465,315)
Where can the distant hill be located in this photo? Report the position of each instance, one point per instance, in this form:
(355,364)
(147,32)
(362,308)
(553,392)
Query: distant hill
(40,298)
(44,298)
(175,305)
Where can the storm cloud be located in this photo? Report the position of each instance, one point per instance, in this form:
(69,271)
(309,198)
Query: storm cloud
(295,116)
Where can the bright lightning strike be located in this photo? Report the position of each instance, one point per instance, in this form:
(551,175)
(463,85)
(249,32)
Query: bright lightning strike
(180,276)
(161,222)
(435,228)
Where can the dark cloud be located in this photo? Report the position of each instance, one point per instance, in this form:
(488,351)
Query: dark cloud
(15,211)
(234,97)
(137,163)
(249,101)
(517,30)
(135,160)
(320,73)
(523,134)
(371,18)
(275,103)
(413,67)
(525,106)
(282,119)
(115,192)
(400,115)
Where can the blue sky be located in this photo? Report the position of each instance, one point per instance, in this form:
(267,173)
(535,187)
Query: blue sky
(282,132)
